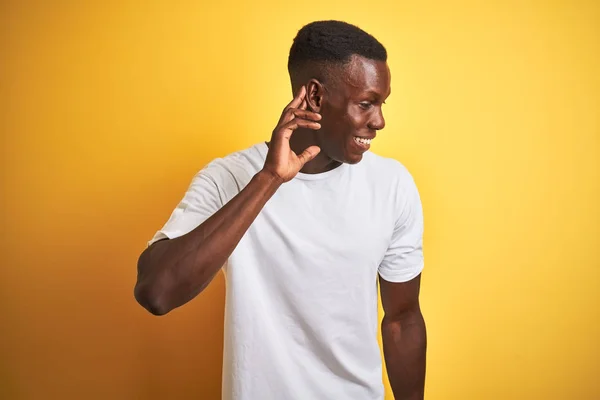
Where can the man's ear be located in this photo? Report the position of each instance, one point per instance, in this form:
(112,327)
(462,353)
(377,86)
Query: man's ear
(314,95)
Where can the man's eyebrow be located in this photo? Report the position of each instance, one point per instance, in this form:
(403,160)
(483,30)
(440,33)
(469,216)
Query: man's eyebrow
(371,92)
(377,94)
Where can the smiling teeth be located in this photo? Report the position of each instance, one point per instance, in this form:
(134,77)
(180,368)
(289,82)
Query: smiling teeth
(362,140)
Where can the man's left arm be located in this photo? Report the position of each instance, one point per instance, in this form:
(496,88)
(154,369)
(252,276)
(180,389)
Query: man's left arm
(404,338)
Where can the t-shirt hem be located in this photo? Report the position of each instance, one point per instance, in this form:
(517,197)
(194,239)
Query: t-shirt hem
(399,277)
(161,235)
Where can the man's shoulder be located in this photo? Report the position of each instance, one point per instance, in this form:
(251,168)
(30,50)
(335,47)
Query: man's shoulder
(246,161)
(386,167)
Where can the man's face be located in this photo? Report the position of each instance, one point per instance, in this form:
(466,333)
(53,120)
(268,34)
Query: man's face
(351,109)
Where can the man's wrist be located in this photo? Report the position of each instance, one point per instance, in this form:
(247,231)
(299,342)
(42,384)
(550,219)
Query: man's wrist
(269,179)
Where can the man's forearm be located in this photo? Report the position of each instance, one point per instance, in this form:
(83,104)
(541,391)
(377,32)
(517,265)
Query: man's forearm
(172,272)
(404,348)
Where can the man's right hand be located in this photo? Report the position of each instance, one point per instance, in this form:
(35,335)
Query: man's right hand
(282,162)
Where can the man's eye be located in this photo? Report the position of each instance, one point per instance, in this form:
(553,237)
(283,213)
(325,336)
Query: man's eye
(365,105)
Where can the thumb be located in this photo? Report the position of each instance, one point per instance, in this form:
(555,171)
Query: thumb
(309,154)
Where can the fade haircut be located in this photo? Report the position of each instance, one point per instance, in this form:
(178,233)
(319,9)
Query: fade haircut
(321,46)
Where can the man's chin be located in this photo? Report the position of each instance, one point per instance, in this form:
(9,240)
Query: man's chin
(346,156)
(354,159)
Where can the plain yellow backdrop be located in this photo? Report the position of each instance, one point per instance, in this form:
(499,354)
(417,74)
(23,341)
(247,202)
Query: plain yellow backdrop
(109,108)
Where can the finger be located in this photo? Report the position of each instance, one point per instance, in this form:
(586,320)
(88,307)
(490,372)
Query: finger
(301,123)
(292,113)
(287,129)
(309,154)
(306,114)
(304,104)
(294,104)
(298,99)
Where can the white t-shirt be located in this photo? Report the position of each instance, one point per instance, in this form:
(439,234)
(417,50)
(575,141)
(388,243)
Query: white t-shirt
(301,286)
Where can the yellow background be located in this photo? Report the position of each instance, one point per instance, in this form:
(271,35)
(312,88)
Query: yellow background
(109,108)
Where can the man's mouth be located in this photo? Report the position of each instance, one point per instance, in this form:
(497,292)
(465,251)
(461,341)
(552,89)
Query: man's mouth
(362,141)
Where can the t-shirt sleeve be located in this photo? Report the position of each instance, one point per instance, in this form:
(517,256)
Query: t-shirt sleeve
(403,259)
(201,200)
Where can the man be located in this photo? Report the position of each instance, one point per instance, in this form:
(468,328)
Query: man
(302,226)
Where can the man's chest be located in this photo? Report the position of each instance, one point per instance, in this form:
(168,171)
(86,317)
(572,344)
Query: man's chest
(324,235)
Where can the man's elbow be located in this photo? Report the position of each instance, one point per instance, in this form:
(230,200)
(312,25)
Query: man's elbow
(405,317)
(152,299)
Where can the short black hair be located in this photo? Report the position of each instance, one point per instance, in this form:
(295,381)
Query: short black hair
(331,42)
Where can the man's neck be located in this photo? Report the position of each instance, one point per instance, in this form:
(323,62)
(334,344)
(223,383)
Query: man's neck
(302,139)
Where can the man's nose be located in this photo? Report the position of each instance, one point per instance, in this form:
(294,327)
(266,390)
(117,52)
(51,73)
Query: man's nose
(377,122)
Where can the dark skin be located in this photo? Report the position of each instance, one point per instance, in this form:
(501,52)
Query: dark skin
(351,105)
(316,133)
(404,338)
